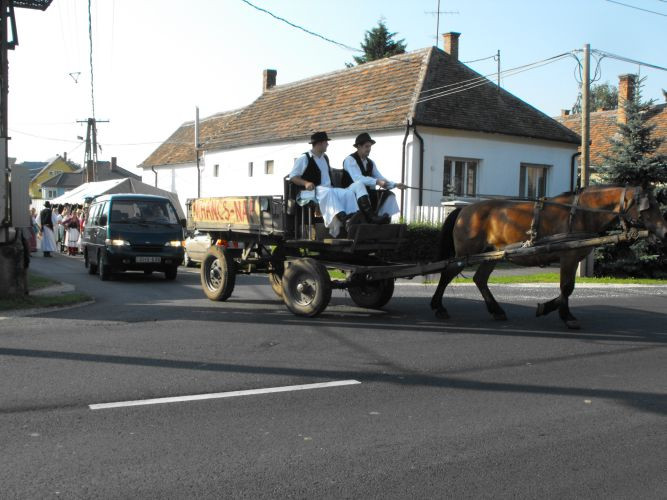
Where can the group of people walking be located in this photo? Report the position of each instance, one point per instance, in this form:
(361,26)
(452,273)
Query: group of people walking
(57,228)
(364,194)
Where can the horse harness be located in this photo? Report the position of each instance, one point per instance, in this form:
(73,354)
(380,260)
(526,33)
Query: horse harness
(622,213)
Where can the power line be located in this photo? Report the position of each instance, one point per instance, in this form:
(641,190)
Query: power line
(637,8)
(301,27)
(627,59)
(482,59)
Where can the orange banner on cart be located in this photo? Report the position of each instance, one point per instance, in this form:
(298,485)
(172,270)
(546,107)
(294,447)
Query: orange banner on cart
(228,210)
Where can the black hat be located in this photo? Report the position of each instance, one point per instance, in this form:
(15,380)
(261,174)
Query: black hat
(318,137)
(363,139)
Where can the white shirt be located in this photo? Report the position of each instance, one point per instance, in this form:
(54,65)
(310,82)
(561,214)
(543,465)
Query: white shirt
(302,162)
(352,168)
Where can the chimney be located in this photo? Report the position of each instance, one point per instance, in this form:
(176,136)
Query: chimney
(564,113)
(269,79)
(113,163)
(65,156)
(626,90)
(451,44)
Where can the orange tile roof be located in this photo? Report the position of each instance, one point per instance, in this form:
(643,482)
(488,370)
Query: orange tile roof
(380,95)
(603,128)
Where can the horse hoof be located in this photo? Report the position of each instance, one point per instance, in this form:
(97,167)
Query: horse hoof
(572,324)
(500,316)
(540,310)
(441,314)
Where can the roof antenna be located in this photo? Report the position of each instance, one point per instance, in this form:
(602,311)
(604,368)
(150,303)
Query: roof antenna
(75,76)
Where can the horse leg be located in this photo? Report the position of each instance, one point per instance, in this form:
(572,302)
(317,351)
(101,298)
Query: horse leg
(446,277)
(568,272)
(481,279)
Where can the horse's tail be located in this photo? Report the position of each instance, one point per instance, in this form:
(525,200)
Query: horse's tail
(446,246)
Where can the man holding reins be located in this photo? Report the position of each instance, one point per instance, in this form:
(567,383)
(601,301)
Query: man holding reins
(362,169)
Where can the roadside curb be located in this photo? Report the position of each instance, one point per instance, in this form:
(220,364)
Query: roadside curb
(57,289)
(15,313)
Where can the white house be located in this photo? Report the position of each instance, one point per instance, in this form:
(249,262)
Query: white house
(481,141)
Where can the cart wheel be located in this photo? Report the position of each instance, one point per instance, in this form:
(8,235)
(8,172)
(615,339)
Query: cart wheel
(276,275)
(306,287)
(372,294)
(276,284)
(218,274)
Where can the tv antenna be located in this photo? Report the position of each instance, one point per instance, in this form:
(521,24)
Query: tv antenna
(437,22)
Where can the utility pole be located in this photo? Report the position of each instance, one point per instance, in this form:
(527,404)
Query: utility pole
(197,146)
(90,158)
(586,265)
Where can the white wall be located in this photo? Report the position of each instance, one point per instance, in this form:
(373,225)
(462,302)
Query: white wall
(500,159)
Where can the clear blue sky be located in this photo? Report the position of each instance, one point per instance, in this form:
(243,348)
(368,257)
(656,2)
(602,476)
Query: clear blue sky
(155,60)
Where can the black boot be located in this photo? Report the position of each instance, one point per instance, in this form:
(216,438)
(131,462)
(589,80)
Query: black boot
(353,220)
(365,206)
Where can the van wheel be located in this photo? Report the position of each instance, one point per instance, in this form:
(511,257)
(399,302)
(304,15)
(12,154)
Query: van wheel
(92,268)
(104,269)
(170,273)
(218,274)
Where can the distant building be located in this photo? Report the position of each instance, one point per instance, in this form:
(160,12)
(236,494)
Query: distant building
(466,136)
(52,168)
(66,181)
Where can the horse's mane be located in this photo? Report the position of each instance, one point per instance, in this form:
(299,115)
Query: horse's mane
(594,187)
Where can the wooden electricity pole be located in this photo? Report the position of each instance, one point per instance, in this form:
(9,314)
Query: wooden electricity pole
(586,265)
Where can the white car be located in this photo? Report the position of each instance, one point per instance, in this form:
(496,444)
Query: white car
(197,245)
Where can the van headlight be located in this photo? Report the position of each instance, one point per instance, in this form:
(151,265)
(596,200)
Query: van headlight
(117,243)
(175,243)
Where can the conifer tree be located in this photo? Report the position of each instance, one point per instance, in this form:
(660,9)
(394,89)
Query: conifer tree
(634,157)
(378,44)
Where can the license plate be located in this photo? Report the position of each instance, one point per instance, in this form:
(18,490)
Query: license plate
(150,260)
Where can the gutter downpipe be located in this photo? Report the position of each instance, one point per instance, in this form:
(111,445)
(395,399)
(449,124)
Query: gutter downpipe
(155,172)
(421,163)
(573,170)
(405,140)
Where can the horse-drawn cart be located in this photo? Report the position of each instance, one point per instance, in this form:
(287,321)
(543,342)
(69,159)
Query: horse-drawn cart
(277,236)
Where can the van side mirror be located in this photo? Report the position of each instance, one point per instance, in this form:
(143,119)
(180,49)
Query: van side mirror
(183,222)
(103,220)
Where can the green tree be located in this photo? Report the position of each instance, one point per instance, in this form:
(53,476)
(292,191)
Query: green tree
(634,157)
(635,160)
(602,96)
(378,43)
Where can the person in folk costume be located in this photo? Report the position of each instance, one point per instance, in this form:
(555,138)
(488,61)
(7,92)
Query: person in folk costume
(34,229)
(60,212)
(47,223)
(71,225)
(362,169)
(339,206)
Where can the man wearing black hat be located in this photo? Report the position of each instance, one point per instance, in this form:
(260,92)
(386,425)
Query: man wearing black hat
(312,171)
(362,169)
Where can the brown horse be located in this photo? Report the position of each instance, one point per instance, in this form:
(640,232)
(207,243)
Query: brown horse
(495,224)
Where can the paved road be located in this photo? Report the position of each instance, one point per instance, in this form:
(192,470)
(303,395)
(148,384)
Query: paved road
(464,408)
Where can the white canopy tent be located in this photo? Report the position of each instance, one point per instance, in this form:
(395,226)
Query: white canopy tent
(115,186)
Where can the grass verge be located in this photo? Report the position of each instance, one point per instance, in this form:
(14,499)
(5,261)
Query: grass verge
(555,278)
(37,301)
(35,282)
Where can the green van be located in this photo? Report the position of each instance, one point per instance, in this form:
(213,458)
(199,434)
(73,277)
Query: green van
(125,232)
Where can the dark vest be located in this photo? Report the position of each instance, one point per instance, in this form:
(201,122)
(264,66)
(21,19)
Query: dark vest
(312,172)
(365,171)
(45,218)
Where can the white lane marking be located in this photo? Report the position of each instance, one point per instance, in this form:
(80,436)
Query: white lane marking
(219,395)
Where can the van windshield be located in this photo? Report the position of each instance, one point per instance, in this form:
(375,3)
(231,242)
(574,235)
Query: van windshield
(143,211)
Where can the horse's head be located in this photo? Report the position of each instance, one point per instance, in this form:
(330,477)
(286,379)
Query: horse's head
(644,210)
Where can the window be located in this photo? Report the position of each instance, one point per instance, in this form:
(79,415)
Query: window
(50,193)
(268,167)
(216,170)
(533,180)
(250,169)
(460,177)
